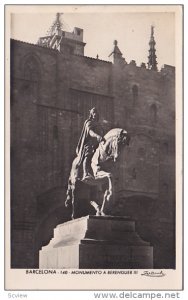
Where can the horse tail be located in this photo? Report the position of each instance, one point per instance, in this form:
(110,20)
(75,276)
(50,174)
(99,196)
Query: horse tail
(71,182)
(68,200)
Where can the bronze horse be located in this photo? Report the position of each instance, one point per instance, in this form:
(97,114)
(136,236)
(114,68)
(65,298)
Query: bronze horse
(107,151)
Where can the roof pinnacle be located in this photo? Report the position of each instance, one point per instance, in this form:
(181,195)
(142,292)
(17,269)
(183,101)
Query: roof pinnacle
(152,58)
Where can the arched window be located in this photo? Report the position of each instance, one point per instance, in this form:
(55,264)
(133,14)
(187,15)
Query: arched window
(134,173)
(32,74)
(141,152)
(55,132)
(135,93)
(153,113)
(31,69)
(165,147)
(165,188)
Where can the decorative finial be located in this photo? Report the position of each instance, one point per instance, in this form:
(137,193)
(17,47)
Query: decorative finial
(116,54)
(152,58)
(57,25)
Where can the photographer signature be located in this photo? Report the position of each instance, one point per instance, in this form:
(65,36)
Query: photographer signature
(153,274)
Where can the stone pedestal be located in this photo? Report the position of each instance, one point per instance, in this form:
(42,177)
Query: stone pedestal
(94,242)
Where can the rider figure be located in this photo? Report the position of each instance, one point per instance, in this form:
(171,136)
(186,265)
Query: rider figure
(88,142)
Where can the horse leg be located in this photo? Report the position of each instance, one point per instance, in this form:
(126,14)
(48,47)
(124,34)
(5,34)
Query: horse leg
(103,203)
(73,203)
(96,207)
(108,193)
(110,187)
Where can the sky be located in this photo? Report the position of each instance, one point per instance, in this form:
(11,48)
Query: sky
(131,30)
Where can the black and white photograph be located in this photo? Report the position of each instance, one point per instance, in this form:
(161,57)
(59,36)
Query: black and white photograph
(94,144)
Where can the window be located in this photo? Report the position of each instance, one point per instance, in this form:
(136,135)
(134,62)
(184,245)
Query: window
(141,152)
(153,113)
(55,132)
(31,73)
(134,174)
(165,147)
(165,188)
(135,93)
(31,69)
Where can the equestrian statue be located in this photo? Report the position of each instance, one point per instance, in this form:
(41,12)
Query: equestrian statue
(95,155)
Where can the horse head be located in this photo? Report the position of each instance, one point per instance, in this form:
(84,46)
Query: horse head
(123,138)
(116,139)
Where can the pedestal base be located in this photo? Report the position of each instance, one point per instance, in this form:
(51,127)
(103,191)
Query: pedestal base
(97,243)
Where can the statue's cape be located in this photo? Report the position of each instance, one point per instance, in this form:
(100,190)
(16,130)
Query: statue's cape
(88,124)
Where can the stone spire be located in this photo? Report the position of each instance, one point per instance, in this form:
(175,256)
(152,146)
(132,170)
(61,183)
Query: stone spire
(57,25)
(116,53)
(116,50)
(152,58)
(57,38)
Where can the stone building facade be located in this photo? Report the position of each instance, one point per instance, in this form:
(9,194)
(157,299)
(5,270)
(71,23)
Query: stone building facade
(53,86)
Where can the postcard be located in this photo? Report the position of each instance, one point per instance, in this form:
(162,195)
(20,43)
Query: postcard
(93,160)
